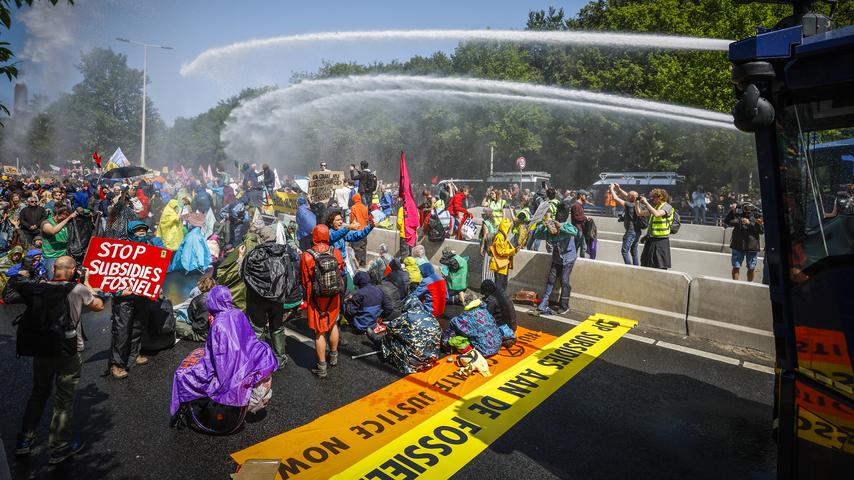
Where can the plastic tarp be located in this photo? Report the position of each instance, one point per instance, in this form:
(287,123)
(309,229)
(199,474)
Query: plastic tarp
(193,254)
(271,272)
(411,342)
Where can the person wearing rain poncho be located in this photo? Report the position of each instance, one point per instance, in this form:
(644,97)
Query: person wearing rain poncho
(501,253)
(215,386)
(432,290)
(170,229)
(474,327)
(411,341)
(228,270)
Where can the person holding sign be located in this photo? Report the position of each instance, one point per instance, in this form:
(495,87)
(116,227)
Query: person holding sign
(129,314)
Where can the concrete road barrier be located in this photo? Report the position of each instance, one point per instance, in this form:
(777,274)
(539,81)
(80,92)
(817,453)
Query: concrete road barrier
(731,312)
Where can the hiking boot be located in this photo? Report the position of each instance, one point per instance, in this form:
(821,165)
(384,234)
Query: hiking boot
(118,372)
(24,446)
(142,360)
(320,371)
(61,455)
(283,362)
(333,359)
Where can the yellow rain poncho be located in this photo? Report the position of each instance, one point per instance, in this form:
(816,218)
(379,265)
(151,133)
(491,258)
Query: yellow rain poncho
(502,250)
(170,229)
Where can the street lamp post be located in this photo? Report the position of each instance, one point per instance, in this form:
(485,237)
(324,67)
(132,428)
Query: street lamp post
(145,47)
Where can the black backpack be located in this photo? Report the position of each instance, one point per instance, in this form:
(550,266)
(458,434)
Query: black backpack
(43,326)
(271,272)
(435,229)
(370,180)
(564,208)
(80,231)
(676,223)
(327,281)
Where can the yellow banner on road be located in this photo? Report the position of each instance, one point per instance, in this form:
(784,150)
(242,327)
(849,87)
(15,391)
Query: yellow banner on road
(285,202)
(444,443)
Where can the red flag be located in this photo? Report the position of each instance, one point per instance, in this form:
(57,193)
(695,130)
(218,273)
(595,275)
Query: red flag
(410,209)
(97,159)
(434,180)
(101,194)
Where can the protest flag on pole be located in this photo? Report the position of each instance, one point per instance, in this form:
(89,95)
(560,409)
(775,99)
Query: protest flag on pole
(410,209)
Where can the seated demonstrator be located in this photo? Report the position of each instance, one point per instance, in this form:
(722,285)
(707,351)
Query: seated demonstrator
(48,333)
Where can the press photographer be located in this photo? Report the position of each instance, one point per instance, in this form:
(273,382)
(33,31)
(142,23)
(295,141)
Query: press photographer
(747,224)
(48,331)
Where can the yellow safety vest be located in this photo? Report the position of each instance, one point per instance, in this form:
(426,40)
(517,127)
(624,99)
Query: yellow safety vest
(660,226)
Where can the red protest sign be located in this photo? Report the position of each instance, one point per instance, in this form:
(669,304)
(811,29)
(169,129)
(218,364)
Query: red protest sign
(119,265)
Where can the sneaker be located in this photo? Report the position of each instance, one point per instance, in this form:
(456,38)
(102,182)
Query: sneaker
(563,311)
(320,371)
(333,359)
(59,456)
(24,446)
(547,311)
(118,372)
(142,360)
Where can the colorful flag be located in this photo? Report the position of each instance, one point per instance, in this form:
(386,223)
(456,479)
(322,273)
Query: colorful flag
(97,158)
(410,209)
(119,158)
(210,173)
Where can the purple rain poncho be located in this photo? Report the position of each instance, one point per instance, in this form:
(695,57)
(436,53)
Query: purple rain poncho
(232,362)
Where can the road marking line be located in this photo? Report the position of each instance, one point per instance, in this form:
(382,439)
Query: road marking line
(757,367)
(302,338)
(699,353)
(638,338)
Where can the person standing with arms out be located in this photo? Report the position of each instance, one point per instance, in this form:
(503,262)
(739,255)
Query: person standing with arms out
(55,351)
(367,181)
(322,267)
(747,225)
(656,250)
(630,221)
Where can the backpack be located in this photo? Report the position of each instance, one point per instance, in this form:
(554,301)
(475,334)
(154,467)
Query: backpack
(326,281)
(43,326)
(676,223)
(589,228)
(80,231)
(271,272)
(563,211)
(370,182)
(435,229)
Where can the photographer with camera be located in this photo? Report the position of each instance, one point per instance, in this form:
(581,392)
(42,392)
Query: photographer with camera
(48,331)
(747,225)
(367,181)
(631,222)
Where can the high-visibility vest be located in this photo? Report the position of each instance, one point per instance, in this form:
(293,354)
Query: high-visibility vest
(660,226)
(497,207)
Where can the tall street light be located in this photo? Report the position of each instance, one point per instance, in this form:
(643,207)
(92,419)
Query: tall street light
(145,47)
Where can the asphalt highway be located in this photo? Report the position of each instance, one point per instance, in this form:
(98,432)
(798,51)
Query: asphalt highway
(638,411)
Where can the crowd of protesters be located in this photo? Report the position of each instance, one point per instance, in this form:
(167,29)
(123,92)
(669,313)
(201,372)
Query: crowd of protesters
(259,273)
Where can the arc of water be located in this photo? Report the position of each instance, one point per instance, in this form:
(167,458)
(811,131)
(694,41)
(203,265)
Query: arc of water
(311,89)
(211,57)
(247,111)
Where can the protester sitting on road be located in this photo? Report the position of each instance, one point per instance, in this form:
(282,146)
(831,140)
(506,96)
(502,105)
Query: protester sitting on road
(366,304)
(170,228)
(11,258)
(501,254)
(656,250)
(231,374)
(631,223)
(32,263)
(455,269)
(420,255)
(747,226)
(197,314)
(432,290)
(55,348)
(399,277)
(411,341)
(377,268)
(561,239)
(498,303)
(473,327)
(321,269)
(414,272)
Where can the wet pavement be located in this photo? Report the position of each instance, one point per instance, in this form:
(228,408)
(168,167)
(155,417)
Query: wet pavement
(638,411)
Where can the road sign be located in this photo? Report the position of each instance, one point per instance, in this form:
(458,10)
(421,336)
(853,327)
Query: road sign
(520,163)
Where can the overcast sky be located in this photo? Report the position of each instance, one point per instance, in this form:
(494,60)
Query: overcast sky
(48,41)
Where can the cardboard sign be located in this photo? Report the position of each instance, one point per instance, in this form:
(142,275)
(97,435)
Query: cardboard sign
(119,265)
(285,202)
(10,170)
(321,185)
